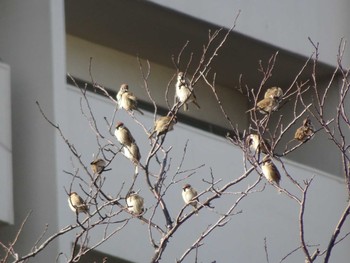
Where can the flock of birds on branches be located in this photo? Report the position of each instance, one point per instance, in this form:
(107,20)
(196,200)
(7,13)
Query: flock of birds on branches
(184,94)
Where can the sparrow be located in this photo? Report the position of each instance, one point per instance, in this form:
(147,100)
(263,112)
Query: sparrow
(123,134)
(77,204)
(163,124)
(256,145)
(132,152)
(123,88)
(274,92)
(97,166)
(127,99)
(134,203)
(267,105)
(188,193)
(305,131)
(184,93)
(270,171)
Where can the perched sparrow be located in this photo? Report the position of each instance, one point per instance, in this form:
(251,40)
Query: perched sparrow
(163,124)
(132,152)
(97,166)
(256,145)
(270,171)
(77,204)
(123,88)
(188,193)
(268,105)
(134,203)
(127,99)
(274,92)
(123,134)
(184,92)
(304,132)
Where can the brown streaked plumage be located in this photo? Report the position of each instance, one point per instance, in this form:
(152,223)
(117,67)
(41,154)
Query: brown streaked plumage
(274,92)
(163,125)
(98,165)
(126,99)
(270,171)
(77,204)
(123,134)
(267,105)
(304,132)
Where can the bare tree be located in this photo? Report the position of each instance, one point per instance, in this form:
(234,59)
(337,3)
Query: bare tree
(111,214)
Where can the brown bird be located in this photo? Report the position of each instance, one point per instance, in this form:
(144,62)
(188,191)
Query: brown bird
(267,105)
(188,193)
(184,93)
(127,99)
(97,166)
(77,204)
(123,88)
(123,134)
(256,145)
(132,152)
(270,171)
(163,124)
(305,132)
(274,92)
(134,203)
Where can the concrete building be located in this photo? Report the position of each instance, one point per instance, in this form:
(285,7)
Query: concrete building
(43,40)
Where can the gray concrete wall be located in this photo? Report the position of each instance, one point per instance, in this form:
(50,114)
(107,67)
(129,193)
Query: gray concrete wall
(286,24)
(32,43)
(6,184)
